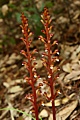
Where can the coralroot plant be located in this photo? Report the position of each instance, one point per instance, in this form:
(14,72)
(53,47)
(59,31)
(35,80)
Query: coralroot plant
(29,65)
(49,58)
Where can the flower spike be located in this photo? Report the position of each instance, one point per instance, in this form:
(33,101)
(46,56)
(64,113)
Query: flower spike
(49,57)
(30,67)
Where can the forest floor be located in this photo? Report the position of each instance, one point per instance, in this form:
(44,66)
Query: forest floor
(13,87)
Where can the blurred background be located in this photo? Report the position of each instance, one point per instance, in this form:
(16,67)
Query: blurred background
(65,15)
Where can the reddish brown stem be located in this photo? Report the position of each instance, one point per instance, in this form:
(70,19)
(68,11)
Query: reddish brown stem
(50,72)
(33,87)
(47,57)
(31,80)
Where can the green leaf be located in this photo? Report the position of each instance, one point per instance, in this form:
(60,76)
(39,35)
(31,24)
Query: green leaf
(12,40)
(49,4)
(20,111)
(17,15)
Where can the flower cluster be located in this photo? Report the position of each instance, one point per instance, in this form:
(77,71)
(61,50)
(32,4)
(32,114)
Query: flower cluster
(29,64)
(49,57)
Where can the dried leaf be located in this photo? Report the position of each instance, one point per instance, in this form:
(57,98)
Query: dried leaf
(66,111)
(57,103)
(72,75)
(67,68)
(43,114)
(75,66)
(15,89)
(66,99)
(4,9)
